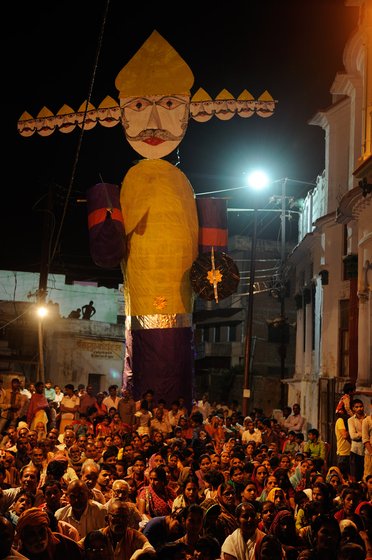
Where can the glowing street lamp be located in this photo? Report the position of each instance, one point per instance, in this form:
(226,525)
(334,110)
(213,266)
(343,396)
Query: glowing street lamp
(257,181)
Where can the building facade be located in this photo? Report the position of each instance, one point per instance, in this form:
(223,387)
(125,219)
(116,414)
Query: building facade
(334,250)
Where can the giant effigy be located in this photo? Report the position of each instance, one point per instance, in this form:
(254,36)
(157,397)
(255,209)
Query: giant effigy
(171,246)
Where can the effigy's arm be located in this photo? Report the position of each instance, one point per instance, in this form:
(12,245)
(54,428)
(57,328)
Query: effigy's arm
(108,113)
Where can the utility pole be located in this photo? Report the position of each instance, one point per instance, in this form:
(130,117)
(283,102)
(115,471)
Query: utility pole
(45,247)
(283,346)
(248,333)
(43,278)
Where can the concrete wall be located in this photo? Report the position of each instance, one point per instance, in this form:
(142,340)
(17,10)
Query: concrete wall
(23,286)
(75,349)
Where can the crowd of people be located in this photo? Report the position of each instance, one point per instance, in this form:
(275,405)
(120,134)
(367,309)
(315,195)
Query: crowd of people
(102,476)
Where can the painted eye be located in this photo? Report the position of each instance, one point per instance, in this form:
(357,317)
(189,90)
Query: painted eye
(138,104)
(170,103)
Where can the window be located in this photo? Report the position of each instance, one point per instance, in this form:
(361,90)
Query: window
(231,333)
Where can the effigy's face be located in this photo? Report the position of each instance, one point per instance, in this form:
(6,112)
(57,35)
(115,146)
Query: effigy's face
(155,125)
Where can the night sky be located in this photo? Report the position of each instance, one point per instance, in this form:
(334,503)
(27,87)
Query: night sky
(292,48)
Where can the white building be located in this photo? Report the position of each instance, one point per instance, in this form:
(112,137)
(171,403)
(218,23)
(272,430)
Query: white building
(334,253)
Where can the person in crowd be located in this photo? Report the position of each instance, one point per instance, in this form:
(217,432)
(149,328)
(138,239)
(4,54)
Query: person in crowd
(207,548)
(205,466)
(29,480)
(307,512)
(271,549)
(127,543)
(343,407)
(113,399)
(343,446)
(284,529)
(270,483)
(7,537)
(38,542)
(98,411)
(157,498)
(174,414)
(89,475)
(160,423)
(164,528)
(97,545)
(367,442)
(364,510)
(238,480)
(59,396)
(251,433)
(192,524)
(327,536)
(83,513)
(188,493)
(277,497)
(350,498)
(9,440)
(315,448)
(13,406)
(142,419)
(259,476)
(24,501)
(127,408)
(294,421)
(226,522)
(120,491)
(290,446)
(267,513)
(105,479)
(354,424)
(11,472)
(323,493)
(137,473)
(249,494)
(87,400)
(49,391)
(54,500)
(68,407)
(242,543)
(118,427)
(285,484)
(300,479)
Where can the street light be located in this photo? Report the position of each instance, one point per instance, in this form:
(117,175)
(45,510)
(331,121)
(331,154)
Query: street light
(41,312)
(257,180)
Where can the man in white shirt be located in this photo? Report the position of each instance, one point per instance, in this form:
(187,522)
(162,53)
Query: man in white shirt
(112,401)
(84,514)
(204,406)
(251,433)
(295,421)
(357,447)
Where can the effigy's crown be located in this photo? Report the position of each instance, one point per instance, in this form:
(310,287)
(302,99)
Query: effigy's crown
(155,69)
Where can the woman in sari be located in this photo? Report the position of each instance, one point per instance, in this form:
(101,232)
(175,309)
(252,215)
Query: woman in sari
(259,476)
(283,528)
(244,542)
(156,460)
(156,499)
(226,522)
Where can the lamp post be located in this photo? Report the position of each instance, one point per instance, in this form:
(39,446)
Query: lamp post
(41,313)
(257,181)
(249,322)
